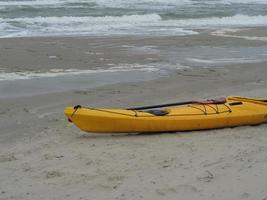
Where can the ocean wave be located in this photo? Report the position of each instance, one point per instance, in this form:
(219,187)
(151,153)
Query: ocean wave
(136,19)
(236,20)
(106,3)
(108,25)
(128,3)
(89,19)
(40,2)
(144,4)
(168,3)
(241,1)
(148,24)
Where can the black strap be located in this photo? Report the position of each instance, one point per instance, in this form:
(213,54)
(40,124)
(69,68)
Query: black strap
(161,105)
(75,109)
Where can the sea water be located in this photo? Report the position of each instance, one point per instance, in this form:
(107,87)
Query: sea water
(27,18)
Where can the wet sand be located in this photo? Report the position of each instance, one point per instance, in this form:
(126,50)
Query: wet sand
(43,156)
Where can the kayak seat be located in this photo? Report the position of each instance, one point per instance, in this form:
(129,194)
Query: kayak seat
(158,112)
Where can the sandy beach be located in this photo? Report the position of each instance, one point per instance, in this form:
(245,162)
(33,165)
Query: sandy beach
(42,156)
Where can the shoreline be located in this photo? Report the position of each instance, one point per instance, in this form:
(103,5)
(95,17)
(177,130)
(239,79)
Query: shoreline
(53,59)
(44,53)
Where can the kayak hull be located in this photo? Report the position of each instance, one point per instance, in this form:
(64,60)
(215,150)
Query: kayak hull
(236,111)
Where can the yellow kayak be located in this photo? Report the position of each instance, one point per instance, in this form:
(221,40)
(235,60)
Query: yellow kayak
(199,115)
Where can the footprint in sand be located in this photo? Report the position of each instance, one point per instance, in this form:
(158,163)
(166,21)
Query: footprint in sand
(207,176)
(245,195)
(53,174)
(186,189)
(7,158)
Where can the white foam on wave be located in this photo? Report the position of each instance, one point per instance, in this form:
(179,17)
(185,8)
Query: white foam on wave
(70,19)
(161,4)
(225,33)
(4,76)
(224,60)
(147,24)
(144,4)
(146,18)
(39,2)
(24,75)
(108,25)
(240,1)
(236,20)
(128,3)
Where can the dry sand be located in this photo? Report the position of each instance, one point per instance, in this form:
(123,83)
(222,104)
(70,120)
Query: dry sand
(42,156)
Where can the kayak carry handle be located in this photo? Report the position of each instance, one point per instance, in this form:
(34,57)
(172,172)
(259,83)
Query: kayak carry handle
(75,109)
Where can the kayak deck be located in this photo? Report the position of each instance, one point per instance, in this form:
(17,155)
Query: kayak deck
(236,111)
